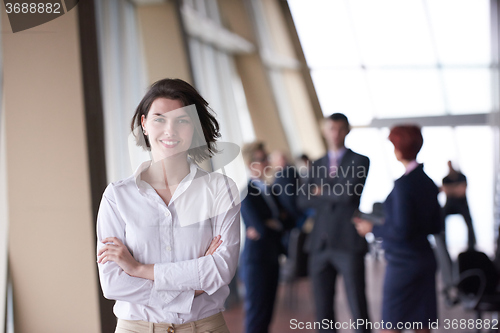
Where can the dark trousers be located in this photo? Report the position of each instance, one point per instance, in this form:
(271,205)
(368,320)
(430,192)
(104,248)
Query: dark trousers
(323,269)
(460,206)
(261,283)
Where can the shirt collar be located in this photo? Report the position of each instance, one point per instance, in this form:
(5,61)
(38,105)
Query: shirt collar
(138,171)
(337,154)
(411,166)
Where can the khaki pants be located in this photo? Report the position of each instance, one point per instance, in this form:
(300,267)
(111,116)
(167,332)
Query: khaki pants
(212,324)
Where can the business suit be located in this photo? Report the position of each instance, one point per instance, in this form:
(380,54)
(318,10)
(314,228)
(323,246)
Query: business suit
(286,182)
(412,212)
(334,244)
(285,188)
(259,259)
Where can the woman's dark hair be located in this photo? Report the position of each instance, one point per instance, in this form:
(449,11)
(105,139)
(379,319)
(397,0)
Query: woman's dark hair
(407,139)
(203,143)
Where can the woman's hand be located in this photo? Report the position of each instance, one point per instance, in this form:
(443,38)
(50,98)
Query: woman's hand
(253,234)
(117,252)
(362,226)
(214,245)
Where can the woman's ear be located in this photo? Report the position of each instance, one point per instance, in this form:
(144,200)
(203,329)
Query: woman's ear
(143,124)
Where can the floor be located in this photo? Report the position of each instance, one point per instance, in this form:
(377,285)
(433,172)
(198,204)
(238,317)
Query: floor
(300,309)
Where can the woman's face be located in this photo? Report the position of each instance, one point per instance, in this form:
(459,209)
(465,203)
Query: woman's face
(399,154)
(169,128)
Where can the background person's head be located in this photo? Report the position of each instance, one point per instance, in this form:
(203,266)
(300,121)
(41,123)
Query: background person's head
(255,157)
(334,129)
(169,95)
(407,141)
(278,159)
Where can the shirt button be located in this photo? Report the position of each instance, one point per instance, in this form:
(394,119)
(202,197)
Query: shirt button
(167,213)
(169,248)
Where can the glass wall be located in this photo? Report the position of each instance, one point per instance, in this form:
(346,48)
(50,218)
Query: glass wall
(383,59)
(123,82)
(211,49)
(389,58)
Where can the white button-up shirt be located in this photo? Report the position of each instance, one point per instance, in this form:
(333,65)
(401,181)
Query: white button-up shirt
(174,238)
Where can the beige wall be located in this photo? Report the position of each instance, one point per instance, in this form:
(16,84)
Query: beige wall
(260,100)
(161,36)
(52,253)
(305,120)
(302,111)
(4,219)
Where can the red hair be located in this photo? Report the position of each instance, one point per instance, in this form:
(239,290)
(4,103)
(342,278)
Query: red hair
(407,139)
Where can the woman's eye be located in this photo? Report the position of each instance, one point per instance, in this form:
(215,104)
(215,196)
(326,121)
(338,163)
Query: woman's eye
(159,120)
(183,121)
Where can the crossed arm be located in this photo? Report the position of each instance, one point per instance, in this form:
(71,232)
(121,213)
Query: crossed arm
(124,278)
(116,251)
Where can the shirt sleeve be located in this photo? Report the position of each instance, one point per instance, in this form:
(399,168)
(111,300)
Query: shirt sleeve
(209,273)
(118,285)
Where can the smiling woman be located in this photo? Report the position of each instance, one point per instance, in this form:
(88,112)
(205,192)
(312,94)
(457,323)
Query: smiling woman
(172,94)
(168,128)
(166,264)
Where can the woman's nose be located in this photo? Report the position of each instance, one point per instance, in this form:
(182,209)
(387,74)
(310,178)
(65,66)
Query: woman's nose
(170,128)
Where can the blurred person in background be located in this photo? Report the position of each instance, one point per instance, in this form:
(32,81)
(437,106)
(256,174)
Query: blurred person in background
(259,266)
(334,188)
(412,212)
(455,188)
(303,163)
(284,186)
(166,264)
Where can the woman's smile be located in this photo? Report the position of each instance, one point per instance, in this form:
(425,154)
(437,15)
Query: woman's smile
(170,143)
(169,128)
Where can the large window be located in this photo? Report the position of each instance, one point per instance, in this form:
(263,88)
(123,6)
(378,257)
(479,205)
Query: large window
(123,81)
(390,58)
(211,49)
(387,61)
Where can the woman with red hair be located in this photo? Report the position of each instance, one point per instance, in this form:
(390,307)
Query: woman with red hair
(411,214)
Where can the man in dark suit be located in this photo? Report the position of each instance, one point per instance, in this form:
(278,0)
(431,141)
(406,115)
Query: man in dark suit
(334,189)
(259,266)
(455,188)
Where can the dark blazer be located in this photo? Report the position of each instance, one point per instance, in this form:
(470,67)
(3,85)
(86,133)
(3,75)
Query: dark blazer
(412,212)
(285,184)
(259,265)
(333,227)
(255,211)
